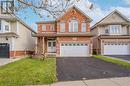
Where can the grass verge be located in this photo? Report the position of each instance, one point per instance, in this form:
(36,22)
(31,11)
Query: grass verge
(112,60)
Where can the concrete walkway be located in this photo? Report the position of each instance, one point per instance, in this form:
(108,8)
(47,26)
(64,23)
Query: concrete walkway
(4,61)
(123,81)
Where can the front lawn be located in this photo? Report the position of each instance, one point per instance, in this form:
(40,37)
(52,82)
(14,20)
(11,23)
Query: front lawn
(116,61)
(28,72)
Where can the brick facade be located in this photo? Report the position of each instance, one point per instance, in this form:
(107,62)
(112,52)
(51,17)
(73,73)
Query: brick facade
(72,13)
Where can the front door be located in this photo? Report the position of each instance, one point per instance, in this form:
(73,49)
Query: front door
(51,46)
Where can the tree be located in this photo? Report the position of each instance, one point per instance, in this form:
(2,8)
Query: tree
(54,7)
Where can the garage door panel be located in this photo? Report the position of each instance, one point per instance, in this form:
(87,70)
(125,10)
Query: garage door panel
(116,49)
(74,50)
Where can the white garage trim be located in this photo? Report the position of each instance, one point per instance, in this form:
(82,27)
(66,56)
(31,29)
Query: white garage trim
(117,49)
(74,50)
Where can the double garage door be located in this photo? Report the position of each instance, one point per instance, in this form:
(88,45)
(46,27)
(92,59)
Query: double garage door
(74,50)
(117,49)
(4,50)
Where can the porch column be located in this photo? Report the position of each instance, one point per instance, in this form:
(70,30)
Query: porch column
(40,45)
(43,47)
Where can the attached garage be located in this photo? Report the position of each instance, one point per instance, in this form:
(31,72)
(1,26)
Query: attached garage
(74,50)
(117,49)
(4,50)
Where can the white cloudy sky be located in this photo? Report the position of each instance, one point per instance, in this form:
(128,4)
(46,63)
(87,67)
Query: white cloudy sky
(101,9)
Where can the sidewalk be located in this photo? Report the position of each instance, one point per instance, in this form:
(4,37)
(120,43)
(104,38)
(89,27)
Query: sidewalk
(4,61)
(123,81)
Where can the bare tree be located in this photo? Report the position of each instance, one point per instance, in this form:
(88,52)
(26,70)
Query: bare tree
(54,7)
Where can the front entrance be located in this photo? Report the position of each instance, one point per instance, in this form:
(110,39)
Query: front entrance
(4,50)
(51,46)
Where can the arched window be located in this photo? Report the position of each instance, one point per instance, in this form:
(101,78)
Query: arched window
(73,26)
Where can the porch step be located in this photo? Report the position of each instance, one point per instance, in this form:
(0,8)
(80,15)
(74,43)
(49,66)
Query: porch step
(51,54)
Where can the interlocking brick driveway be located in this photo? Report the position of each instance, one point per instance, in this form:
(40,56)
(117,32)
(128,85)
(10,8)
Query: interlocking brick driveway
(69,69)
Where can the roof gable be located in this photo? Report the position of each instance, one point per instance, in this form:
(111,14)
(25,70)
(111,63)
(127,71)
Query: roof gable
(113,17)
(77,10)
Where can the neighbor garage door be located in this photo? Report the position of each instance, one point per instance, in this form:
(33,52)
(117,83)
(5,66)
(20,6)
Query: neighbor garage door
(116,49)
(4,50)
(74,50)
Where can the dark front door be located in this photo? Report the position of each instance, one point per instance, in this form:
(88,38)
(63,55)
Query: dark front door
(4,50)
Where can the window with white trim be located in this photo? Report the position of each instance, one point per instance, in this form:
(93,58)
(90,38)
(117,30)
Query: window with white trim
(6,27)
(73,26)
(52,27)
(62,27)
(44,27)
(83,27)
(115,29)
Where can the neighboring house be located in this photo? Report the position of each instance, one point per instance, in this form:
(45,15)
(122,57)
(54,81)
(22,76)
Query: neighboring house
(68,36)
(15,37)
(112,35)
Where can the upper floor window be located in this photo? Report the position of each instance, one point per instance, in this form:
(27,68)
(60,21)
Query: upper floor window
(115,29)
(83,28)
(52,27)
(44,27)
(73,26)
(62,27)
(6,27)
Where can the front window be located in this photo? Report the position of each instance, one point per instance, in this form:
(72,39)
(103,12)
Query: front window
(62,27)
(83,27)
(6,27)
(73,26)
(52,27)
(115,29)
(44,27)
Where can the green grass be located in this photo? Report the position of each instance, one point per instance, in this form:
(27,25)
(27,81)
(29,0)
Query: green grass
(28,71)
(115,61)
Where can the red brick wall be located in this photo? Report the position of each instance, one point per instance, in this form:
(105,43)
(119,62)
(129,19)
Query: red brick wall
(20,53)
(72,13)
(48,25)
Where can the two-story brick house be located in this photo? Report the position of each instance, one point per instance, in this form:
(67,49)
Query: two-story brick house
(68,36)
(112,35)
(15,37)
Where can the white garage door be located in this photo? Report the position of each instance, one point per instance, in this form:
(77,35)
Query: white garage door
(74,50)
(116,49)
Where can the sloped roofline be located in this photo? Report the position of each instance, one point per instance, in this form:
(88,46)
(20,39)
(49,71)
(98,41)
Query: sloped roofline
(21,21)
(109,15)
(75,7)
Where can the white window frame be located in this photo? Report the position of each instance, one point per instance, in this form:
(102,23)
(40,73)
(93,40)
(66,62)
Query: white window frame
(52,27)
(44,27)
(62,26)
(6,23)
(83,27)
(115,29)
(73,25)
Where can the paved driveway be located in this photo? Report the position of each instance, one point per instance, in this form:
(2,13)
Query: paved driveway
(124,57)
(69,69)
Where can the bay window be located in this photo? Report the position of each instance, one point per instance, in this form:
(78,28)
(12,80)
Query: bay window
(52,27)
(114,30)
(73,26)
(44,27)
